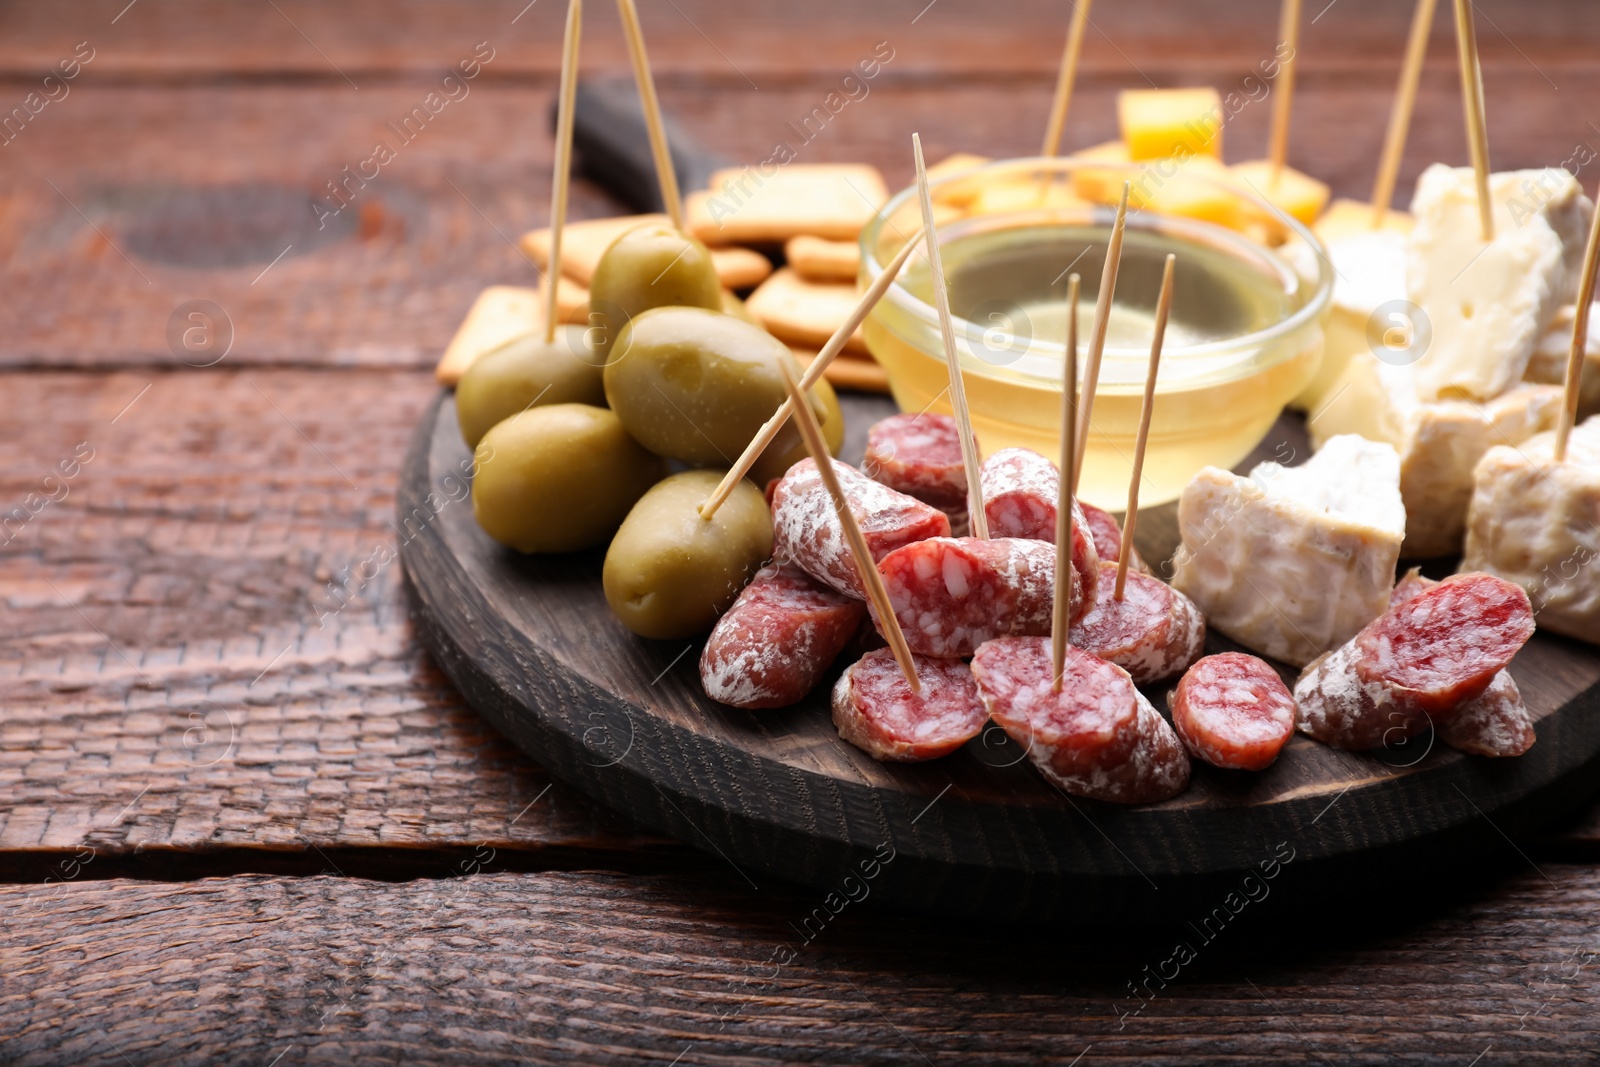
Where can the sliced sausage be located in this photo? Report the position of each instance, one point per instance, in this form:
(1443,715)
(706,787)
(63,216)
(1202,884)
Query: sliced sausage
(1233,711)
(806,529)
(951,594)
(1107,534)
(1495,723)
(919,455)
(875,710)
(1153,632)
(777,641)
(1097,737)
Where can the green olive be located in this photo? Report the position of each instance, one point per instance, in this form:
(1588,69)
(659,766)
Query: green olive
(671,574)
(696,385)
(524,372)
(788,448)
(650,266)
(559,478)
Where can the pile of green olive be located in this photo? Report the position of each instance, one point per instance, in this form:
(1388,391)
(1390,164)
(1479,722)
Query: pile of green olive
(573,439)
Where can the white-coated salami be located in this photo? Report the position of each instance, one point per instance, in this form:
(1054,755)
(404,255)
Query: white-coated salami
(1153,632)
(951,594)
(919,455)
(875,709)
(1421,661)
(1097,737)
(777,640)
(806,529)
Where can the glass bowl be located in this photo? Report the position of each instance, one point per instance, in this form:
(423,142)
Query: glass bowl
(1244,337)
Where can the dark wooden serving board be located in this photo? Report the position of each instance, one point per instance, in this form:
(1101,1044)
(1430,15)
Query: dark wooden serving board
(532,645)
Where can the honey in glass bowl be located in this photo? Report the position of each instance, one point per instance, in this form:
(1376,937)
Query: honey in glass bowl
(1244,337)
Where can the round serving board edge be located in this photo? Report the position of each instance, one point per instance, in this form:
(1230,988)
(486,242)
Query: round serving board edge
(926,843)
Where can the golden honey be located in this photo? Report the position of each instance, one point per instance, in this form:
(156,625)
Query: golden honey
(1245,335)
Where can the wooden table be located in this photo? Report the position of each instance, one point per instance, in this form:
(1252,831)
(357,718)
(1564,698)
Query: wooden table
(244,819)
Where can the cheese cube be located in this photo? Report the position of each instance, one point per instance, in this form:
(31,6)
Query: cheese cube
(1157,123)
(1439,441)
(1297,195)
(1024,194)
(956,193)
(1292,561)
(1102,185)
(1345,217)
(1489,304)
(1197,187)
(1549,362)
(1533,522)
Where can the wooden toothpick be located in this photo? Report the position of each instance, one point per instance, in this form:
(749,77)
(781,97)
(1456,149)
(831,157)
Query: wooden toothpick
(1097,332)
(665,175)
(1062,606)
(563,164)
(1580,341)
(1065,79)
(1163,308)
(1405,102)
(836,343)
(1283,86)
(860,554)
(1472,96)
(958,390)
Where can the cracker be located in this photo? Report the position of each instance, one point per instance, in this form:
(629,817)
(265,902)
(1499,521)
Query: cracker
(500,313)
(583,243)
(572,302)
(860,373)
(745,206)
(804,314)
(817,259)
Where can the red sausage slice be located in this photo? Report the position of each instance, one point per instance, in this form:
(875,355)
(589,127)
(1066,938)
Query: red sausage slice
(875,710)
(1494,724)
(1107,534)
(1020,489)
(953,594)
(777,640)
(806,529)
(919,455)
(1233,711)
(1098,737)
(1444,645)
(1153,633)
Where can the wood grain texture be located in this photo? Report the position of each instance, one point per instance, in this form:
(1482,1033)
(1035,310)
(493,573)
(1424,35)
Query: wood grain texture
(200,188)
(595,969)
(199,648)
(533,645)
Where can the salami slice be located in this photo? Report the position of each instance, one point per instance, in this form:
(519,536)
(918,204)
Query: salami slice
(1443,646)
(1233,711)
(1107,534)
(806,529)
(953,594)
(919,455)
(1334,706)
(875,710)
(1496,723)
(1098,737)
(776,642)
(1153,632)
(1020,490)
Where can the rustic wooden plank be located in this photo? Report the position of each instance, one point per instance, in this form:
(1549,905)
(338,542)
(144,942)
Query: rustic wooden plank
(746,42)
(205,212)
(591,968)
(203,644)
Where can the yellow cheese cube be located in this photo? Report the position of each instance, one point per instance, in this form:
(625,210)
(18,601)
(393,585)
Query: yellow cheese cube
(1197,188)
(956,193)
(1297,195)
(1024,194)
(1103,186)
(1157,123)
(1346,217)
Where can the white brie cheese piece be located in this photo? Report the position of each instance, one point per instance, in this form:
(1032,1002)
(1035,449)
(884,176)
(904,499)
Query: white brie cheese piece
(1488,304)
(1536,522)
(1549,362)
(1293,561)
